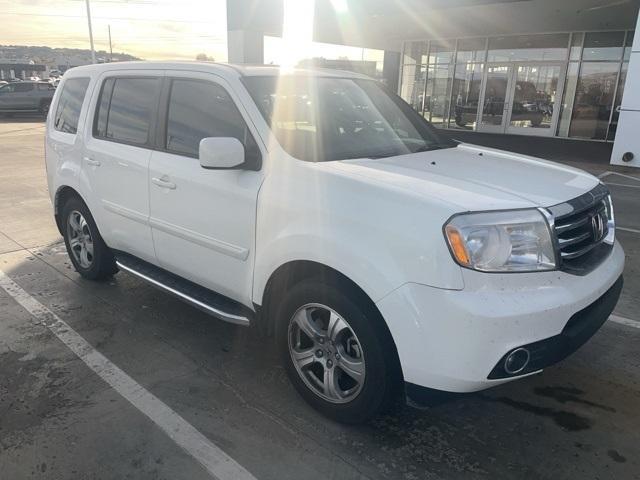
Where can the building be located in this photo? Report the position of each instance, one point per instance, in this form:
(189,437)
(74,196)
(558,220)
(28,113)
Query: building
(568,69)
(23,71)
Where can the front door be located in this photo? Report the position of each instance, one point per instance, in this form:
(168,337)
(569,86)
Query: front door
(496,98)
(203,220)
(521,98)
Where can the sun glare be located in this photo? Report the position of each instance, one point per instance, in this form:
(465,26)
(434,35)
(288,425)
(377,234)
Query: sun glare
(297,31)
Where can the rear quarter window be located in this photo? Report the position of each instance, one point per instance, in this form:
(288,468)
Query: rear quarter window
(69,105)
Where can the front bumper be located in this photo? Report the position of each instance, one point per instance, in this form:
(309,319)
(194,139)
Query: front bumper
(456,341)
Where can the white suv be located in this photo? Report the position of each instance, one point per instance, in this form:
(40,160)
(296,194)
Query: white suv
(321,208)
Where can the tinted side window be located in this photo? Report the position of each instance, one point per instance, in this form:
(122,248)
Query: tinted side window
(199,109)
(70,104)
(45,86)
(23,87)
(130,104)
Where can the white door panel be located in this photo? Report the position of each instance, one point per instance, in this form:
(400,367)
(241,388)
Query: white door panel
(118,175)
(116,160)
(203,222)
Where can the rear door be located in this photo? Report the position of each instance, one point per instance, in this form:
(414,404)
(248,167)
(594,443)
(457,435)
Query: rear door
(115,162)
(203,221)
(26,96)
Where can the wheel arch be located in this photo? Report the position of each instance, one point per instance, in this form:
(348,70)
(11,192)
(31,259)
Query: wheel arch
(295,271)
(63,193)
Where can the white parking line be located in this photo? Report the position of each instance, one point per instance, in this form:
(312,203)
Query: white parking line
(622,185)
(607,173)
(625,229)
(213,459)
(625,321)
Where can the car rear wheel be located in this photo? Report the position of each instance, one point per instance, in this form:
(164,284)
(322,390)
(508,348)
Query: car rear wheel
(44,108)
(337,352)
(89,254)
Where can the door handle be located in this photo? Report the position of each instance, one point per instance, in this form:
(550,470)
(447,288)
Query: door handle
(91,161)
(161,182)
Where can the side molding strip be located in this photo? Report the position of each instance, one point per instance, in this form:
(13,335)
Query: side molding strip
(227,317)
(202,240)
(125,212)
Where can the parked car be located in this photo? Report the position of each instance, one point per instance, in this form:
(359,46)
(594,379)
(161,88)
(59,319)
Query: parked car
(320,208)
(26,96)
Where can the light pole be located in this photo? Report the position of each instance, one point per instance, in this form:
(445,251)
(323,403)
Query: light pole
(110,46)
(93,52)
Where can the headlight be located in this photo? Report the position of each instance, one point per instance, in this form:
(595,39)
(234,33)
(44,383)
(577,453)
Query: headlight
(506,241)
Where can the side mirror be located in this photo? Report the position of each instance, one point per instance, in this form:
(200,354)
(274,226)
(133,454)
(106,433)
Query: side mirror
(221,153)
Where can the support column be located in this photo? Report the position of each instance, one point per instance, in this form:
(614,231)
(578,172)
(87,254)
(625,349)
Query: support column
(391,69)
(245,46)
(248,21)
(626,148)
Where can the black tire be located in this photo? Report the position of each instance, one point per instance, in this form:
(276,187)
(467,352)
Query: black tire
(44,108)
(102,263)
(382,384)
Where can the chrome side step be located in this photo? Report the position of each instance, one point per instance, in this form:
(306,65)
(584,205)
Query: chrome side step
(209,302)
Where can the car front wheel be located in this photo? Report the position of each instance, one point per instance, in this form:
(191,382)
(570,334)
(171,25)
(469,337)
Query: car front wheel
(337,352)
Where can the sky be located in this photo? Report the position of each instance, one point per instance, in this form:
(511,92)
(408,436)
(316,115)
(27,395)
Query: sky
(150,29)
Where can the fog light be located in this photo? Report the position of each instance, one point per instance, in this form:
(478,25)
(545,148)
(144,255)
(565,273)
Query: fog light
(516,361)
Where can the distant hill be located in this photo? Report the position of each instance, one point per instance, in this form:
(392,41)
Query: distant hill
(57,57)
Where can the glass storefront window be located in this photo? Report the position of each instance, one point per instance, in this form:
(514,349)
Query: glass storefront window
(471,50)
(438,93)
(415,52)
(528,47)
(466,95)
(534,96)
(594,100)
(611,134)
(441,52)
(627,46)
(603,46)
(412,88)
(520,75)
(576,46)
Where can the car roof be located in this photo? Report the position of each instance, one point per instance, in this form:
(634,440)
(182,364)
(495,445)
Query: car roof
(222,69)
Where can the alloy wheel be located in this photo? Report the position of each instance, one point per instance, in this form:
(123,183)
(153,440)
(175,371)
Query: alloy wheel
(80,239)
(326,353)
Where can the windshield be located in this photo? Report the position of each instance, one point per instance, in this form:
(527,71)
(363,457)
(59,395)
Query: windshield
(323,118)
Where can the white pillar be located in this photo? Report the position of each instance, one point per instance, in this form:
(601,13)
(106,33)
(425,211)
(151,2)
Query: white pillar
(245,46)
(626,147)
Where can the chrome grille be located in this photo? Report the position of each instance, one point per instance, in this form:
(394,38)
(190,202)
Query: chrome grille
(580,227)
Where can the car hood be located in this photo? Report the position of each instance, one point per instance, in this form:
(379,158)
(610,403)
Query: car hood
(474,178)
